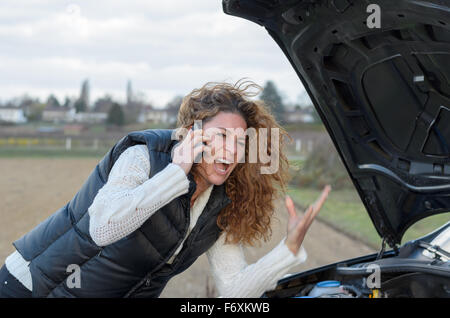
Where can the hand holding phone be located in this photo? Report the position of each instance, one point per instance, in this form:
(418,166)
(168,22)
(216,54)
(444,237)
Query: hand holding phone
(190,150)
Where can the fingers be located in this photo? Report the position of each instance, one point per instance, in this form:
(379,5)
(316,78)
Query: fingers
(196,137)
(198,144)
(298,229)
(192,145)
(315,208)
(190,149)
(290,206)
(200,151)
(308,216)
(323,196)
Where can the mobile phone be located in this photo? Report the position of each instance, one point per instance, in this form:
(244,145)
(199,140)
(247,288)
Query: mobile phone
(197,125)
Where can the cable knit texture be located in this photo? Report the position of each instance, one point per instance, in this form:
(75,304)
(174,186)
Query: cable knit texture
(129,198)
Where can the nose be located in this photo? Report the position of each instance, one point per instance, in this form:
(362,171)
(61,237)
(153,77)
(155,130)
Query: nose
(232,148)
(224,148)
(230,145)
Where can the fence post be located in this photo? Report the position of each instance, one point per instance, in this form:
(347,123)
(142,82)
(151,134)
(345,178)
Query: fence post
(68,143)
(95,144)
(298,145)
(310,145)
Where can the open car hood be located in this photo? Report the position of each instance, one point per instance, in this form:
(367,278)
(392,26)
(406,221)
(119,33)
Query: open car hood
(382,93)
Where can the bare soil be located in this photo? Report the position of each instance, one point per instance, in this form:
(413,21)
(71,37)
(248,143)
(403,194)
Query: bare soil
(33,189)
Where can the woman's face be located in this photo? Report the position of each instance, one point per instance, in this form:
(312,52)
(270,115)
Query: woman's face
(227,133)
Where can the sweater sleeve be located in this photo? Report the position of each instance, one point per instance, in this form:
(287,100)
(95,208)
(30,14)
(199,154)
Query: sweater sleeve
(129,197)
(235,278)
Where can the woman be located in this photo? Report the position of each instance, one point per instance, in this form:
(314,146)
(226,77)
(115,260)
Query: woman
(150,208)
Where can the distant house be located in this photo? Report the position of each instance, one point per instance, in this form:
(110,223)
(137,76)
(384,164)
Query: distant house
(90,117)
(13,115)
(298,115)
(157,116)
(57,114)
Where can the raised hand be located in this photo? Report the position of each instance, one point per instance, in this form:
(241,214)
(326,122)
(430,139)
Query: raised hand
(298,225)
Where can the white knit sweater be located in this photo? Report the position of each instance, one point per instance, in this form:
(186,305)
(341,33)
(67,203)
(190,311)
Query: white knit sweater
(129,198)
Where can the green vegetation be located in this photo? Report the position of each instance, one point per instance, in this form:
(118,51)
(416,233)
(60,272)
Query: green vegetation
(80,105)
(317,126)
(116,115)
(322,166)
(425,226)
(97,129)
(273,100)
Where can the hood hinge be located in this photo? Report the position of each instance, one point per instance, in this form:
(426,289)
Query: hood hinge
(383,248)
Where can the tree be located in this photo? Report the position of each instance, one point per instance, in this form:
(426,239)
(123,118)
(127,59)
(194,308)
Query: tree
(103,104)
(274,100)
(174,104)
(52,101)
(66,102)
(172,108)
(80,106)
(116,115)
(34,111)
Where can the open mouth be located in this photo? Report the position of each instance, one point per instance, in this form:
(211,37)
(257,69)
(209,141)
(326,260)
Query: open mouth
(222,166)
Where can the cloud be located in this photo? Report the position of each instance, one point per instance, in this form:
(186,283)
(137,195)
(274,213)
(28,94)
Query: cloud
(165,48)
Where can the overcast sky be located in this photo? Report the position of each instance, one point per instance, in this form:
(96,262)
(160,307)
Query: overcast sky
(165,48)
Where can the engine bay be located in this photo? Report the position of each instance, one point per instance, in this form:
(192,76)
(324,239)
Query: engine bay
(409,285)
(418,269)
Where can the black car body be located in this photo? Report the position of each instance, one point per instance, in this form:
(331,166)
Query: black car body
(378,74)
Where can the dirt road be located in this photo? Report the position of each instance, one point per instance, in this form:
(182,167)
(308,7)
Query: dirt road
(32,189)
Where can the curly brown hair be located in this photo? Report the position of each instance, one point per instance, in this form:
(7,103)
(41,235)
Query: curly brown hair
(247,219)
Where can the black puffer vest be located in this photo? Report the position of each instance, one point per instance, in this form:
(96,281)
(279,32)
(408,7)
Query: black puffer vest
(136,265)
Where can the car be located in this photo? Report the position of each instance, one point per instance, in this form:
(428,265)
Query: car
(378,74)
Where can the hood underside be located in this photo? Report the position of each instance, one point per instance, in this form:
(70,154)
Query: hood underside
(382,93)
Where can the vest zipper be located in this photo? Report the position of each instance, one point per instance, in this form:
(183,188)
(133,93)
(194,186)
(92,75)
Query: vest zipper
(147,279)
(175,260)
